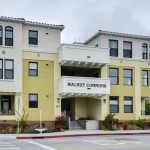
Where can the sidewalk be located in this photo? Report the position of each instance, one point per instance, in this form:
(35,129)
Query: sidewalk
(80,133)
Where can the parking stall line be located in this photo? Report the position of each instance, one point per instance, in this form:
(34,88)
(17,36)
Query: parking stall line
(39,145)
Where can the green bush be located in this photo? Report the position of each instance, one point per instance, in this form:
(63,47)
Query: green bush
(141,123)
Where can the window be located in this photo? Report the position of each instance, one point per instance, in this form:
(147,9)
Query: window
(114,104)
(33,69)
(33,37)
(1,69)
(33,100)
(9,36)
(128,104)
(145,77)
(9,69)
(127,49)
(113,75)
(113,44)
(144,51)
(127,76)
(1,35)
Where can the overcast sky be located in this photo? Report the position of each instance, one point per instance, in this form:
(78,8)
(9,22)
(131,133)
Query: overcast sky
(83,18)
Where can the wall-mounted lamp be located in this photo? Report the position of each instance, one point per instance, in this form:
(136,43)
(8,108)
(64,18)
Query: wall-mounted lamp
(104,100)
(58,100)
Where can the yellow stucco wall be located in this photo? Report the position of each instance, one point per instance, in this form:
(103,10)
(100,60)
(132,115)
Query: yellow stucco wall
(43,85)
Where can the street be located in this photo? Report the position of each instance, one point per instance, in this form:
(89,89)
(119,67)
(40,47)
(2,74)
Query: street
(79,143)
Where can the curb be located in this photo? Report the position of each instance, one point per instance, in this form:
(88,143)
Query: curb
(79,135)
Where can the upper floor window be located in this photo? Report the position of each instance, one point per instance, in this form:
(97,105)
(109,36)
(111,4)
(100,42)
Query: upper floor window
(145,77)
(33,100)
(1,68)
(144,51)
(113,44)
(1,35)
(114,76)
(9,69)
(127,49)
(127,76)
(33,37)
(33,69)
(8,36)
(114,104)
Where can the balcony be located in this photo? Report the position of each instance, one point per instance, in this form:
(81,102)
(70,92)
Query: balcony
(71,86)
(80,55)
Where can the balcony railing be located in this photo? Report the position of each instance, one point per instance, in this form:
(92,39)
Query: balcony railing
(85,56)
(83,86)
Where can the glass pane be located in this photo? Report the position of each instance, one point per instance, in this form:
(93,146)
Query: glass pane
(8,74)
(33,41)
(127,102)
(33,65)
(113,108)
(145,82)
(128,98)
(127,53)
(0,40)
(113,44)
(145,74)
(128,108)
(33,97)
(1,64)
(1,73)
(1,33)
(113,72)
(113,102)
(127,45)
(127,73)
(33,72)
(127,81)
(113,52)
(8,41)
(9,34)
(8,64)
(33,34)
(113,80)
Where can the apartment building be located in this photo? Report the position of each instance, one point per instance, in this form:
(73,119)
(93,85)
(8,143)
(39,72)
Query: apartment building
(108,73)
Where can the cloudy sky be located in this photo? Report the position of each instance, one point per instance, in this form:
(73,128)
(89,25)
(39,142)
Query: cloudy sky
(82,18)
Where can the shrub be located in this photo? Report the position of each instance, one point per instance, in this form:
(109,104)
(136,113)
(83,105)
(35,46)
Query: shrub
(109,122)
(141,123)
(60,123)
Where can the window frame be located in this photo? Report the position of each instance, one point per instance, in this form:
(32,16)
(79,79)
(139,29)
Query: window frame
(145,78)
(114,76)
(111,99)
(6,30)
(9,69)
(128,105)
(124,77)
(145,53)
(33,69)
(33,105)
(1,38)
(32,38)
(113,49)
(127,50)
(2,68)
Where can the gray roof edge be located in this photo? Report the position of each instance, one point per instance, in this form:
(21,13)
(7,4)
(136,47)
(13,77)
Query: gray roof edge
(24,22)
(100,32)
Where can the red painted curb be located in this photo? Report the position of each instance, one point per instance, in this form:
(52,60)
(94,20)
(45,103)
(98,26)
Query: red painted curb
(76,135)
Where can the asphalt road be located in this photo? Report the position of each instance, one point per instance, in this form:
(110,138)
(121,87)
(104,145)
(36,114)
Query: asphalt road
(141,142)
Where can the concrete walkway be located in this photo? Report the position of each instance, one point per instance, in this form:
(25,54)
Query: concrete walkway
(79,133)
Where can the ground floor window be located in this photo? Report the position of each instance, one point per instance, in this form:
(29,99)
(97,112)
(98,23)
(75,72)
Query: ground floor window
(114,104)
(5,104)
(33,100)
(128,104)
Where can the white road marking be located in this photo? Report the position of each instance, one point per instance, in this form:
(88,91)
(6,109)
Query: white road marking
(10,148)
(4,145)
(39,145)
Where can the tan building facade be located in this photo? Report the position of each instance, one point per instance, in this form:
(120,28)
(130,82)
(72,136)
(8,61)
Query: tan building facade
(108,73)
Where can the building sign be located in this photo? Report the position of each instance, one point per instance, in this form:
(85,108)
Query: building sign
(85,85)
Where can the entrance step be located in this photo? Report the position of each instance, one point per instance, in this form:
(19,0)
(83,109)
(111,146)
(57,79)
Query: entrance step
(74,125)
